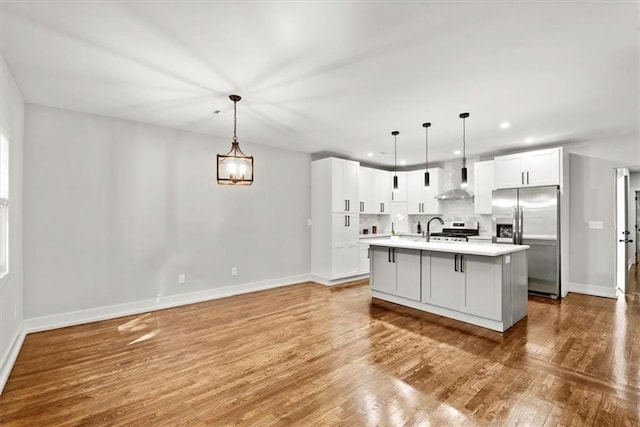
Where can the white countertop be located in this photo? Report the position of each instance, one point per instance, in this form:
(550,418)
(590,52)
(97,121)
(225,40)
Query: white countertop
(468,248)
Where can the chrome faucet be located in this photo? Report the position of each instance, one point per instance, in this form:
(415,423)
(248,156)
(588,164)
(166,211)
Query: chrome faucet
(426,236)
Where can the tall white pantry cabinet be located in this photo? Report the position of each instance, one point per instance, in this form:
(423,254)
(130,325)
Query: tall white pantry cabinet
(335,206)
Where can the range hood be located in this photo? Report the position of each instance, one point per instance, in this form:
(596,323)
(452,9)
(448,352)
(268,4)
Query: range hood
(455,194)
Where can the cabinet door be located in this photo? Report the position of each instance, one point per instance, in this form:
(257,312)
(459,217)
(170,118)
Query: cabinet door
(508,172)
(339,246)
(352,256)
(366,190)
(408,273)
(383,193)
(482,290)
(432,206)
(415,192)
(541,167)
(446,282)
(350,185)
(426,276)
(364,258)
(399,195)
(484,183)
(338,200)
(383,276)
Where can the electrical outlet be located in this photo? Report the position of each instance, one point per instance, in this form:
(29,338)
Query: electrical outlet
(234,271)
(182,279)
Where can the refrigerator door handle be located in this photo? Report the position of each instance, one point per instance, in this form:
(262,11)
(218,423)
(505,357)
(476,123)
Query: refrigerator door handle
(515,226)
(521,231)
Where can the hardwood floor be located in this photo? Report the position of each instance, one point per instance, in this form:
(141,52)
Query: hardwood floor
(311,355)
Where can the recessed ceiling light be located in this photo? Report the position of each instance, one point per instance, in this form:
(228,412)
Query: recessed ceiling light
(505,125)
(370,154)
(403,162)
(529,140)
(457,153)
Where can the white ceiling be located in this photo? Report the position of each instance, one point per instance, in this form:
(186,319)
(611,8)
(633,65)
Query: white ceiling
(338,76)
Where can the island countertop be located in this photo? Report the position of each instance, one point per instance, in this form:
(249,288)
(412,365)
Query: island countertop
(485,249)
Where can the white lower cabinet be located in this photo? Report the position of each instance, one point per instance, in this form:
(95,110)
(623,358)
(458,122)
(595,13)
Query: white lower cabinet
(346,248)
(482,286)
(396,271)
(443,280)
(364,258)
(489,291)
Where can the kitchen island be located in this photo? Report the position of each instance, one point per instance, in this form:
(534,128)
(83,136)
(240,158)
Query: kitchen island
(479,283)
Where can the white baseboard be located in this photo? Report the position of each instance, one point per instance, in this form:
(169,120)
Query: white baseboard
(326,282)
(10,357)
(110,312)
(598,291)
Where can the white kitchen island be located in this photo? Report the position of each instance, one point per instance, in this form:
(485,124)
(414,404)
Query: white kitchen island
(478,283)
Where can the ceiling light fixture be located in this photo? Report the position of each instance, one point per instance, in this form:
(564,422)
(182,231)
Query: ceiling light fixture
(235,167)
(403,162)
(464,183)
(395,134)
(457,153)
(529,140)
(505,125)
(426,127)
(370,154)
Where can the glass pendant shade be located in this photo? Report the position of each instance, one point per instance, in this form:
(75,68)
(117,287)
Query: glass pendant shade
(426,127)
(464,182)
(426,180)
(395,182)
(235,167)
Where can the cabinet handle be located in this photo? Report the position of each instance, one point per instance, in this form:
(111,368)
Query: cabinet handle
(461,263)
(381,207)
(389,253)
(522,177)
(368,252)
(348,205)
(455,262)
(527,177)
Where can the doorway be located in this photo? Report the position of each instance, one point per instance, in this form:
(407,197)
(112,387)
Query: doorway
(627,231)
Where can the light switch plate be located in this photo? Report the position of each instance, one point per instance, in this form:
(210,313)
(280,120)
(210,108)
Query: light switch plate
(596,225)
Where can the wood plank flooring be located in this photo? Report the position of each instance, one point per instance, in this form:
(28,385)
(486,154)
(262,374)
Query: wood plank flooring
(311,355)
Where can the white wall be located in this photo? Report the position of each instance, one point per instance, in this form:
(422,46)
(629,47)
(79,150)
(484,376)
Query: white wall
(592,193)
(11,285)
(115,210)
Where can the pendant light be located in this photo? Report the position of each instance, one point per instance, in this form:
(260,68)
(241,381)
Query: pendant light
(395,134)
(426,127)
(235,167)
(464,183)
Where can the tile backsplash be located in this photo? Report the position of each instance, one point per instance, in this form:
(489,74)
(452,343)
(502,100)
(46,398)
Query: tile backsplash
(454,210)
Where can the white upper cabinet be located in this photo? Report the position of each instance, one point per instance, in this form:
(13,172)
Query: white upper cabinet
(484,184)
(399,195)
(344,185)
(367,186)
(530,169)
(375,191)
(422,200)
(382,195)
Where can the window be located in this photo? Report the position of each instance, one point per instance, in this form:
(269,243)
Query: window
(4,204)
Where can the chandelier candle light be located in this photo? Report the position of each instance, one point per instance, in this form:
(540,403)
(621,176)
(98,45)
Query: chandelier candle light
(426,127)
(395,134)
(464,184)
(235,167)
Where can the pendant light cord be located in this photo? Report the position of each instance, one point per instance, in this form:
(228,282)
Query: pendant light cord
(395,155)
(426,148)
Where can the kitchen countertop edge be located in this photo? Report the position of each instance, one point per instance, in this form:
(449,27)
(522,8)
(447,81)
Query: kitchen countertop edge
(488,249)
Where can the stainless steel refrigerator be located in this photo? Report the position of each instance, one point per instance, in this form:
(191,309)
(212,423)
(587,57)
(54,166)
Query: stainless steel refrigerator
(531,216)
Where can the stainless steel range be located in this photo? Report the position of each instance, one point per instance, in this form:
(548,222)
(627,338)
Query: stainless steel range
(456,231)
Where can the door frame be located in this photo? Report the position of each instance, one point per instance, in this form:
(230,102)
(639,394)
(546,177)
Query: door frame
(630,227)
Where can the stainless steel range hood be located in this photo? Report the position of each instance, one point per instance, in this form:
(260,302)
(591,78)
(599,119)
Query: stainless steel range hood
(455,194)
